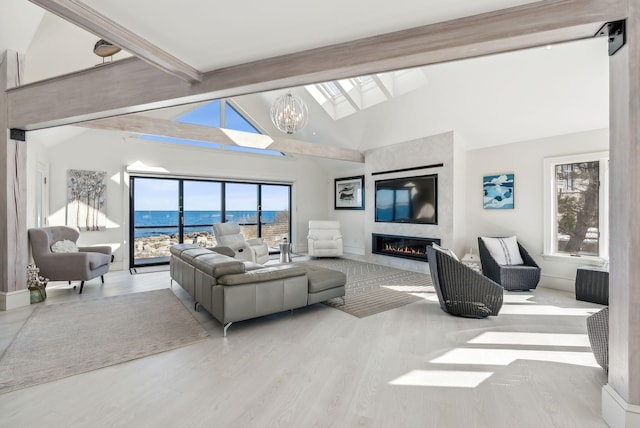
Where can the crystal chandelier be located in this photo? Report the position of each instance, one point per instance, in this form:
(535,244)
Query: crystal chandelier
(289,113)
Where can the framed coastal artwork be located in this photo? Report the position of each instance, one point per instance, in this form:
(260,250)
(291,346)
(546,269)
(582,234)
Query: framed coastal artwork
(349,193)
(498,192)
(86,199)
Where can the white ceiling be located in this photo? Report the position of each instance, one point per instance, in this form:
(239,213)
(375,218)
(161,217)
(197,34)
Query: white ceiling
(208,35)
(492,100)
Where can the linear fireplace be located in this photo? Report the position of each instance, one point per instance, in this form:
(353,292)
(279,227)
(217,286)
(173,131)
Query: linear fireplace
(408,247)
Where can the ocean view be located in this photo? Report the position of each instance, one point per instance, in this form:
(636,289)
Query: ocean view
(193,220)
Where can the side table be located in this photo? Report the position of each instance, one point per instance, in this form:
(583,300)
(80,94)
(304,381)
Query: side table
(285,252)
(592,284)
(473,261)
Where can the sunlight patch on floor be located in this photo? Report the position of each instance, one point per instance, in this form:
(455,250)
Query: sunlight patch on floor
(545,310)
(424,292)
(442,378)
(518,298)
(522,338)
(503,357)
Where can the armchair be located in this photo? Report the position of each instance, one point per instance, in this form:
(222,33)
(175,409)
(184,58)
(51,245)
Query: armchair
(324,239)
(252,249)
(461,290)
(521,275)
(81,264)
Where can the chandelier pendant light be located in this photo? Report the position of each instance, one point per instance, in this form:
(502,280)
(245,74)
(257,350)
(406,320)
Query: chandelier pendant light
(288,113)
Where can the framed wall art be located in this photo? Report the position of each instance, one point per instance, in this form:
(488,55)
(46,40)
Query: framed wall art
(86,199)
(498,192)
(349,193)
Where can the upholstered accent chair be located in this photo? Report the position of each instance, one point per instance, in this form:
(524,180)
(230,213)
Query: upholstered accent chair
(324,239)
(508,263)
(461,290)
(252,249)
(59,259)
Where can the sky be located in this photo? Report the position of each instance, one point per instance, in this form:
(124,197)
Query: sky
(157,194)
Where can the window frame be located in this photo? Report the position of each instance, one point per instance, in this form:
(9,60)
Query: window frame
(551,202)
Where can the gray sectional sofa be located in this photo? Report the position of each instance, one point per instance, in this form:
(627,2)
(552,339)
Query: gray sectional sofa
(233,290)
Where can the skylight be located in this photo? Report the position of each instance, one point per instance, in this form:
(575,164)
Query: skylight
(330,89)
(341,98)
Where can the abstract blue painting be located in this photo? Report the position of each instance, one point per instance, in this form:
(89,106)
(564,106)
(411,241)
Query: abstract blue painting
(498,191)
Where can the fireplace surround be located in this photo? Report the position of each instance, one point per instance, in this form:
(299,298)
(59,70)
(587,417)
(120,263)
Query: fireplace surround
(406,247)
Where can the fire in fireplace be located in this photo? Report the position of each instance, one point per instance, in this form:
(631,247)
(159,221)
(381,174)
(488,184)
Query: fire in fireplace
(409,247)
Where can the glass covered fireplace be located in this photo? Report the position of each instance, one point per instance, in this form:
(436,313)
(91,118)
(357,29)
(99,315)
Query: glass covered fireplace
(408,247)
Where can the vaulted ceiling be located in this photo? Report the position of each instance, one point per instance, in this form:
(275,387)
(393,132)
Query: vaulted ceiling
(490,100)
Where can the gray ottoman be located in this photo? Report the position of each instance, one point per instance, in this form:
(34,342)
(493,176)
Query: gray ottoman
(324,284)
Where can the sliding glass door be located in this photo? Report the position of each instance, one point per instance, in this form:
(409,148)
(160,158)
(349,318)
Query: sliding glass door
(275,201)
(168,211)
(155,219)
(241,206)
(202,207)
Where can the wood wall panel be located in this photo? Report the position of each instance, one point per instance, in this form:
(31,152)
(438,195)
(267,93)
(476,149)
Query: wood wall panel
(13,185)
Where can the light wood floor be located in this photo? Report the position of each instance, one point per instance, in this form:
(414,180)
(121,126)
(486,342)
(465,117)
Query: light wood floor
(319,367)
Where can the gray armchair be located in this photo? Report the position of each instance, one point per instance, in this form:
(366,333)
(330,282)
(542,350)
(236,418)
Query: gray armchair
(512,277)
(461,290)
(252,249)
(83,265)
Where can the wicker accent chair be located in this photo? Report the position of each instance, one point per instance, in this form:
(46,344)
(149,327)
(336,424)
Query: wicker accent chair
(461,290)
(598,332)
(512,277)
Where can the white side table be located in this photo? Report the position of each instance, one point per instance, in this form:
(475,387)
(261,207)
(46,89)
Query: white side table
(473,261)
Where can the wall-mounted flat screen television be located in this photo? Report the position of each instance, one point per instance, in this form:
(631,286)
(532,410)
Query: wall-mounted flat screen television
(408,200)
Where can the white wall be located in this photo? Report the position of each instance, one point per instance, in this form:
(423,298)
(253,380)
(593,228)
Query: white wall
(37,160)
(110,152)
(461,217)
(351,221)
(525,160)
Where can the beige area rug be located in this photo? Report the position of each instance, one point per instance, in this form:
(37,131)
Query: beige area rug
(65,339)
(372,288)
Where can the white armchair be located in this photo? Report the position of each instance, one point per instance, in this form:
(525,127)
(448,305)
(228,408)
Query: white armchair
(252,249)
(325,239)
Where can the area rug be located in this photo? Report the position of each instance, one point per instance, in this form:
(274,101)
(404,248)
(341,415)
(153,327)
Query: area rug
(66,339)
(372,288)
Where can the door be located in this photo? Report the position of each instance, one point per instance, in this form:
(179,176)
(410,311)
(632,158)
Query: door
(155,220)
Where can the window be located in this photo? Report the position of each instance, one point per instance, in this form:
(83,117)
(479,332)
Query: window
(171,210)
(576,206)
(217,114)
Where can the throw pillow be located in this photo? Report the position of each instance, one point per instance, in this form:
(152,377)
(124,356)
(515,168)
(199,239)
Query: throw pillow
(65,246)
(447,251)
(505,251)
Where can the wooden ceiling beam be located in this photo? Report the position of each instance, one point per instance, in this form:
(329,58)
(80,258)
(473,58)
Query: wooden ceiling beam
(137,124)
(130,86)
(91,20)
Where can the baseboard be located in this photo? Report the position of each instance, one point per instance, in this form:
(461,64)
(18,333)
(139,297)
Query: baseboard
(354,250)
(616,412)
(14,299)
(557,283)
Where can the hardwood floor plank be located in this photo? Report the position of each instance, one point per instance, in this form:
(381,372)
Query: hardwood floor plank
(320,367)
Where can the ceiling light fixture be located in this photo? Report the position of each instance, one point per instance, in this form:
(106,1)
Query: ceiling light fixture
(103,49)
(288,113)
